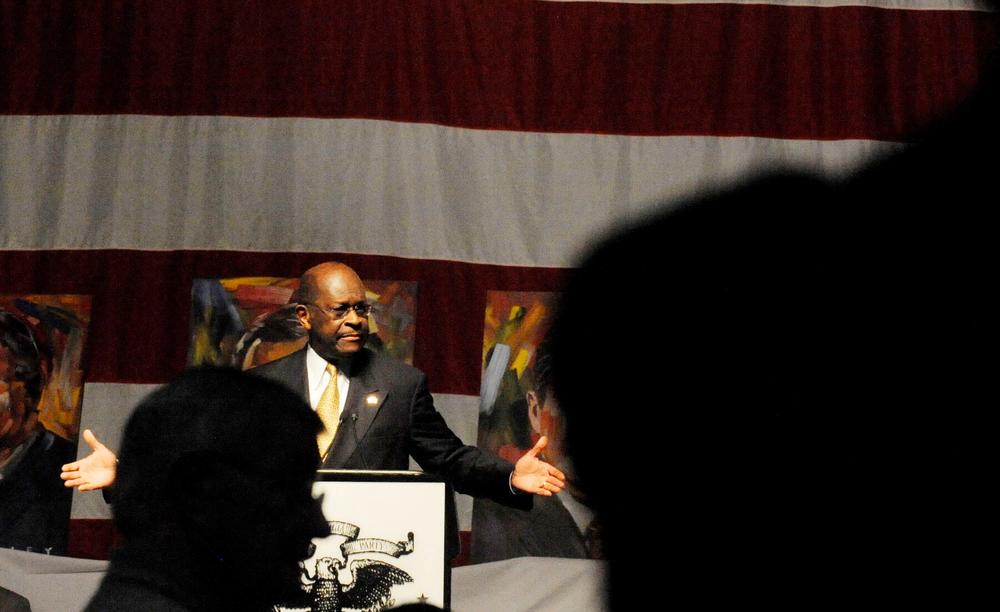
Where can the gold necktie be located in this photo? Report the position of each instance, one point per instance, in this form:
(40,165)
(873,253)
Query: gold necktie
(328,410)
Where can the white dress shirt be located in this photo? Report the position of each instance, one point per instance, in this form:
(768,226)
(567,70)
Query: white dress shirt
(318,378)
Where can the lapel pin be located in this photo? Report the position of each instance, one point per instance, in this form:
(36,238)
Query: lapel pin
(371,399)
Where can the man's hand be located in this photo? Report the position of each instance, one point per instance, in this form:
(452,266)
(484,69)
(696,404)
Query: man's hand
(532,475)
(95,471)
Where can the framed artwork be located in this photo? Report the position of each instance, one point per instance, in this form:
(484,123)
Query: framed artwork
(515,325)
(58,324)
(42,340)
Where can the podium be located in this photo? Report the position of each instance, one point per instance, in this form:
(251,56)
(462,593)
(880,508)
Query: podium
(387,542)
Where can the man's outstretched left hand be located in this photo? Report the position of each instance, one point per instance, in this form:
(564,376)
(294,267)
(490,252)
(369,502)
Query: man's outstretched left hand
(532,475)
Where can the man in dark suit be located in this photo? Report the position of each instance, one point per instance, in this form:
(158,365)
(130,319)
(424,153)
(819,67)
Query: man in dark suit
(387,414)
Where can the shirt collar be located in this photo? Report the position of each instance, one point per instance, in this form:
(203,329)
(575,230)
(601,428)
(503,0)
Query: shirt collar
(315,365)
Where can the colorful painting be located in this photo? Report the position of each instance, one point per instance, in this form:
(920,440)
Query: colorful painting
(42,339)
(247,321)
(58,324)
(516,323)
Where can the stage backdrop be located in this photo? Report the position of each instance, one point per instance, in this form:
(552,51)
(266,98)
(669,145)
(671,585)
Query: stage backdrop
(466,146)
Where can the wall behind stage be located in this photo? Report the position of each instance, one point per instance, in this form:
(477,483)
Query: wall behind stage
(463,146)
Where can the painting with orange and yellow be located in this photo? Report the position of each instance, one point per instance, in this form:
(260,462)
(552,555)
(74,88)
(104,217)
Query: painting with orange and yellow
(248,321)
(58,324)
(515,324)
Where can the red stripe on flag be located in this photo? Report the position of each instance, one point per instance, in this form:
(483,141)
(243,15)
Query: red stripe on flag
(93,538)
(776,71)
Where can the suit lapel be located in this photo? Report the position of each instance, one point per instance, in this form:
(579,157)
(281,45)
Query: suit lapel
(299,371)
(364,399)
(289,371)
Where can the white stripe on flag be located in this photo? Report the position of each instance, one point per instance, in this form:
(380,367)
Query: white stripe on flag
(358,186)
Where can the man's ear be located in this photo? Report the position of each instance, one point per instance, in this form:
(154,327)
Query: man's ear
(302,314)
(534,411)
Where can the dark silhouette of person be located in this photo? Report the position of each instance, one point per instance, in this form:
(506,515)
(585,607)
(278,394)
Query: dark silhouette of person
(34,505)
(213,496)
(816,383)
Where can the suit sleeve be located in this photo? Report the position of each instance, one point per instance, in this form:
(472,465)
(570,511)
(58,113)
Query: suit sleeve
(469,469)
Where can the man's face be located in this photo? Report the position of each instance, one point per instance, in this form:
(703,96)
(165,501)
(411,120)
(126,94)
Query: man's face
(258,513)
(17,411)
(262,525)
(547,420)
(288,541)
(332,334)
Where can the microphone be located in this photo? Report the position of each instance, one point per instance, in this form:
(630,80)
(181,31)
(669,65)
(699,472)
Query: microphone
(357,443)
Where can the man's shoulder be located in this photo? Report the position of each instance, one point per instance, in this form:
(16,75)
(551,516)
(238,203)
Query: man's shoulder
(49,452)
(381,364)
(292,361)
(116,593)
(14,602)
(368,361)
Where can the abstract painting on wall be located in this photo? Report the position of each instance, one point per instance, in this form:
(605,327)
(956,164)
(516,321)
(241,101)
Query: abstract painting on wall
(248,321)
(515,325)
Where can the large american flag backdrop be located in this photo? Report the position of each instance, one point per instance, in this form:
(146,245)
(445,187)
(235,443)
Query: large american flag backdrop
(465,145)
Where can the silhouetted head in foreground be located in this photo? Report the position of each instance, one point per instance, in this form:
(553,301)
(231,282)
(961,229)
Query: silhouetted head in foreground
(812,383)
(215,494)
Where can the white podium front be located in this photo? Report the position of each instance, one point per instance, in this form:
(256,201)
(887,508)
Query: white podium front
(387,545)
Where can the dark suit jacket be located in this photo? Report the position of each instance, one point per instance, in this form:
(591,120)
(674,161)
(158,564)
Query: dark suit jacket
(115,595)
(547,530)
(396,419)
(13,602)
(34,503)
(398,422)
